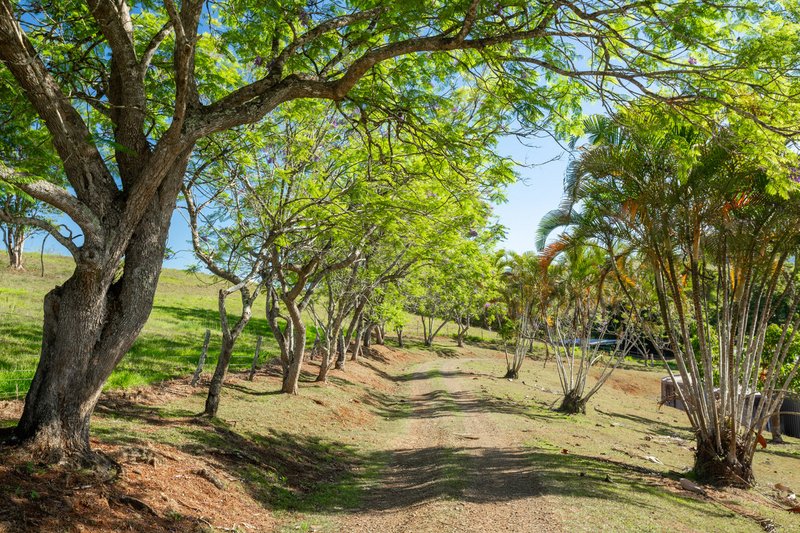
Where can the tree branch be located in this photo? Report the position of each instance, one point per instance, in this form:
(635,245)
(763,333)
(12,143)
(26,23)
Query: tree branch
(251,102)
(152,47)
(49,227)
(55,196)
(83,164)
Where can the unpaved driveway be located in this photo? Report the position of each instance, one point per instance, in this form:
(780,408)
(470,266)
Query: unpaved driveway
(453,467)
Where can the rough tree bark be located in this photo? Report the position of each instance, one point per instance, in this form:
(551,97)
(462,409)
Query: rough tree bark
(572,404)
(358,339)
(341,351)
(90,322)
(333,347)
(463,325)
(368,335)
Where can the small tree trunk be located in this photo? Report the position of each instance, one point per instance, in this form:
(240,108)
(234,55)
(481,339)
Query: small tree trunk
(726,467)
(217,380)
(368,335)
(284,337)
(380,335)
(16,244)
(255,360)
(775,427)
(357,342)
(572,404)
(315,348)
(202,361)
(229,337)
(399,331)
(340,351)
(463,328)
(292,376)
(328,355)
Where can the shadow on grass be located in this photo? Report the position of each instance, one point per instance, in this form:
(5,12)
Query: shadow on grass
(496,475)
(244,389)
(290,472)
(654,426)
(282,471)
(441,403)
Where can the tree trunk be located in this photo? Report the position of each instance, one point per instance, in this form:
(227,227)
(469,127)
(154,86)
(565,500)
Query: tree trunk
(292,376)
(16,244)
(380,334)
(357,344)
(327,358)
(341,351)
(284,337)
(775,427)
(315,347)
(399,332)
(572,404)
(546,354)
(218,379)
(368,336)
(463,328)
(358,339)
(732,468)
(90,323)
(229,337)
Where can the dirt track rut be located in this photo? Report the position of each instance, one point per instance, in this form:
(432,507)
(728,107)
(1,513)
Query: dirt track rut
(454,467)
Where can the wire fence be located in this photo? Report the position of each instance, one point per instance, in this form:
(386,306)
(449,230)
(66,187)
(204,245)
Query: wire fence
(14,384)
(151,358)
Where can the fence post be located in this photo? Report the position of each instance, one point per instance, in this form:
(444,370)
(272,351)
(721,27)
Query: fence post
(202,359)
(255,360)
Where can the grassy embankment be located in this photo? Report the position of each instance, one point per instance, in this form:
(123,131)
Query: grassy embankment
(170,344)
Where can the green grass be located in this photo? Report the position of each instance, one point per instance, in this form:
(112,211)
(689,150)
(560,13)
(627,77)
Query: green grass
(170,344)
(294,455)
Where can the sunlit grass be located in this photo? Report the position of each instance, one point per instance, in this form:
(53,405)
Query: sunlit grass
(171,342)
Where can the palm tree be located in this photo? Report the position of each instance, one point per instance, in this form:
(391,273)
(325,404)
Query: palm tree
(521,293)
(722,255)
(582,321)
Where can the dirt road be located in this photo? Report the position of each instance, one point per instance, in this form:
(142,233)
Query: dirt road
(456,466)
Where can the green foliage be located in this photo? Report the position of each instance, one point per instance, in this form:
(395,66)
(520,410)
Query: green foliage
(771,340)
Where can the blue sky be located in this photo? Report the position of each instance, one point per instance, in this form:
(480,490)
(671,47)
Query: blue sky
(542,165)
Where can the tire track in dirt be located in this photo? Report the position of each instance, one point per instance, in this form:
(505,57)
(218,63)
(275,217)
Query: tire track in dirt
(453,468)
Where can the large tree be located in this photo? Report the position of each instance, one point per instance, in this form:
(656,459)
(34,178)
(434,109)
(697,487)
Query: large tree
(126,89)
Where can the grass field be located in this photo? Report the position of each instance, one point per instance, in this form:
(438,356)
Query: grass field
(427,436)
(407,440)
(170,344)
